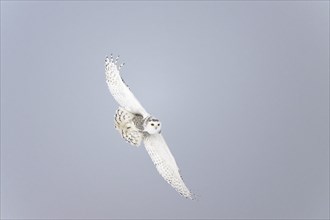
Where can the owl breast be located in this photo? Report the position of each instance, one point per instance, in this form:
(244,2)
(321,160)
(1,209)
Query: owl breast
(130,126)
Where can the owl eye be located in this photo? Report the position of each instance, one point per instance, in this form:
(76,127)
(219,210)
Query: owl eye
(152,124)
(158,124)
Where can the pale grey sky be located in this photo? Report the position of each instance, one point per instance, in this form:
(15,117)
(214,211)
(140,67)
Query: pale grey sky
(242,90)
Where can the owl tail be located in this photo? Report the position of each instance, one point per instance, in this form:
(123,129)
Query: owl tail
(126,127)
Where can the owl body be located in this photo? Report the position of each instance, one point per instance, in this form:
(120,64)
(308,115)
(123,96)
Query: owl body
(130,126)
(133,127)
(136,125)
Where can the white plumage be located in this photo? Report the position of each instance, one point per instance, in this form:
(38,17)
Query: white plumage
(120,90)
(135,125)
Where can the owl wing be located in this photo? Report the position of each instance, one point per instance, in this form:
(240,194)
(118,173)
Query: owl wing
(165,163)
(119,90)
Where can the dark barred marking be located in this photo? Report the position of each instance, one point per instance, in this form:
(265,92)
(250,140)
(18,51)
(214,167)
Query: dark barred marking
(124,82)
(116,119)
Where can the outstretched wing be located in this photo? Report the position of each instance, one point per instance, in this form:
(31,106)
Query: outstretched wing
(120,90)
(165,163)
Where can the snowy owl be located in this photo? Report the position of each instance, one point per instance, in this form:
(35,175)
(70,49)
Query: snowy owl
(135,125)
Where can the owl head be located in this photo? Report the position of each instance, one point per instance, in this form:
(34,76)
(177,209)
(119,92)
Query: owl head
(152,125)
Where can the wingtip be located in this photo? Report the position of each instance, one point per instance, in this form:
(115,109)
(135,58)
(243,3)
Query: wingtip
(107,60)
(117,58)
(193,196)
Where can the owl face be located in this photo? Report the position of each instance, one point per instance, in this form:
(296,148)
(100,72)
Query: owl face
(152,125)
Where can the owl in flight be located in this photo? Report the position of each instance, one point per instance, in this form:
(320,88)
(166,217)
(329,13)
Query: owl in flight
(135,125)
